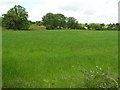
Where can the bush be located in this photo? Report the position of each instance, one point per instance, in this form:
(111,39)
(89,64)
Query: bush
(36,27)
(98,78)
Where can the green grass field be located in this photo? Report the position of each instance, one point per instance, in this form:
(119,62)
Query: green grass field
(54,59)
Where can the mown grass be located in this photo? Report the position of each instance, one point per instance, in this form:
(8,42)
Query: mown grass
(54,59)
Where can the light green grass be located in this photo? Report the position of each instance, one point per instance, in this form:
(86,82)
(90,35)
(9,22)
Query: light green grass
(53,59)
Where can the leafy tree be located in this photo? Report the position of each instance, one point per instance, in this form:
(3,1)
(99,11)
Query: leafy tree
(49,20)
(60,21)
(110,27)
(117,26)
(53,21)
(87,25)
(31,22)
(16,18)
(0,21)
(82,26)
(39,23)
(96,26)
(72,23)
(102,26)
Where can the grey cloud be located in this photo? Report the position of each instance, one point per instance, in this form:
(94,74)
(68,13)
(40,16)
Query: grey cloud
(89,12)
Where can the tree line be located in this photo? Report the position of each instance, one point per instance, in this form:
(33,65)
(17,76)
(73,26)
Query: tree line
(17,18)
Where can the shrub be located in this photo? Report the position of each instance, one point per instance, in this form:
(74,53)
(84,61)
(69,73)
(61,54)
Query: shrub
(36,27)
(98,78)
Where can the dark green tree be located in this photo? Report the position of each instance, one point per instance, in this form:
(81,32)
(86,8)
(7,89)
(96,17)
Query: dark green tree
(49,21)
(110,26)
(0,21)
(117,27)
(96,26)
(39,23)
(54,21)
(72,23)
(102,26)
(16,18)
(60,21)
(82,26)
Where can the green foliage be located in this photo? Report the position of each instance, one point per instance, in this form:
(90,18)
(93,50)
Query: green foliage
(111,26)
(0,21)
(94,26)
(117,26)
(39,23)
(72,23)
(49,21)
(16,18)
(100,26)
(82,26)
(36,27)
(59,21)
(54,21)
(98,78)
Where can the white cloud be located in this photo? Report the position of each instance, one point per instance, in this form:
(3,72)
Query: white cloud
(85,11)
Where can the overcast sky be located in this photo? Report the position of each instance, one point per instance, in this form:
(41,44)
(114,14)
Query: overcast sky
(85,11)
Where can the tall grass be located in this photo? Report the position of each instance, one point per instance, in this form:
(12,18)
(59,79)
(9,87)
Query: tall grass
(50,59)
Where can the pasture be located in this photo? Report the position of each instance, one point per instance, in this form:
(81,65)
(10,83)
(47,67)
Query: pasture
(54,59)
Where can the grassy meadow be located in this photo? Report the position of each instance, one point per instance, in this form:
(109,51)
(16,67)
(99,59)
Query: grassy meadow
(54,59)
